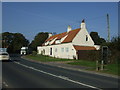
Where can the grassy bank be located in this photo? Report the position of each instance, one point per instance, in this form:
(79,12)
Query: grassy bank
(112,69)
(83,63)
(45,58)
(109,68)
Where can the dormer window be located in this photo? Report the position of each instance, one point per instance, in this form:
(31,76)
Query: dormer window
(62,49)
(46,43)
(86,38)
(52,41)
(55,49)
(58,41)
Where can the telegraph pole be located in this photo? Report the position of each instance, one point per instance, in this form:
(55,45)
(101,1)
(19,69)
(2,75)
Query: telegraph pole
(108,27)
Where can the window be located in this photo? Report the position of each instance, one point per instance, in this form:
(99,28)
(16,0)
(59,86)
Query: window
(50,51)
(23,50)
(43,51)
(62,49)
(86,38)
(67,49)
(58,41)
(55,49)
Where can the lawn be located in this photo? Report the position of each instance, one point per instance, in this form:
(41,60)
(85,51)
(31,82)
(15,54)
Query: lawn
(109,68)
(83,63)
(112,69)
(45,58)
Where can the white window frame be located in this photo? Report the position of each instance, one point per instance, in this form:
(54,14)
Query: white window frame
(86,39)
(67,49)
(56,49)
(62,49)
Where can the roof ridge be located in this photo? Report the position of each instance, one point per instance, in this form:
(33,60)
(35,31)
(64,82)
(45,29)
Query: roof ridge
(67,32)
(71,34)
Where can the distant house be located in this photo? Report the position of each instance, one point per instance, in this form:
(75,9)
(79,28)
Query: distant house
(66,45)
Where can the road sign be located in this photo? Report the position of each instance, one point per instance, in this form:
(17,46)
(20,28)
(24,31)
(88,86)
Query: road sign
(105,54)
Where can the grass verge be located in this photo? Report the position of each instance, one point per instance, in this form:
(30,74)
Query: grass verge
(83,63)
(43,58)
(109,68)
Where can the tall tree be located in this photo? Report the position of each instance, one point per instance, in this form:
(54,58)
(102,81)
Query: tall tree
(38,40)
(13,41)
(96,38)
(7,39)
(115,43)
(114,49)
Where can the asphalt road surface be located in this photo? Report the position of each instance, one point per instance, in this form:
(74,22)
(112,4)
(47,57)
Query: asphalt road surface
(21,73)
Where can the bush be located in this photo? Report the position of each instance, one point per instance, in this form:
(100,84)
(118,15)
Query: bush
(114,49)
(34,53)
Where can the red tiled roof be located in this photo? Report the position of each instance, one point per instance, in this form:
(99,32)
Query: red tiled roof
(58,36)
(71,34)
(61,35)
(84,47)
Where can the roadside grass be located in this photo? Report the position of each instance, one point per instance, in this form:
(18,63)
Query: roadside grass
(109,68)
(43,58)
(112,69)
(83,63)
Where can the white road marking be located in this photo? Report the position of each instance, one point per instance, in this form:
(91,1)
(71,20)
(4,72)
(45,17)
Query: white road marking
(5,84)
(61,77)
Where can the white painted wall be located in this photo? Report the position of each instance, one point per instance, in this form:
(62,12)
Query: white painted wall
(80,38)
(61,50)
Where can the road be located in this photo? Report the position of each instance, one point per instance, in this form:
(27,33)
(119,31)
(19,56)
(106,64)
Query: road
(21,73)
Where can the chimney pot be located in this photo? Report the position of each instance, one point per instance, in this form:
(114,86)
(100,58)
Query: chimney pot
(83,21)
(49,35)
(83,26)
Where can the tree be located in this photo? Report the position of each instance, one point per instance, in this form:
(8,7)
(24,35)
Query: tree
(114,49)
(13,41)
(38,40)
(7,39)
(19,41)
(96,38)
(115,43)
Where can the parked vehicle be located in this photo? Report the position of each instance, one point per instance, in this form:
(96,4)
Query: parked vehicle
(24,50)
(3,49)
(4,56)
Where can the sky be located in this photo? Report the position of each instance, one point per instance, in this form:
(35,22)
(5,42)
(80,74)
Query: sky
(30,18)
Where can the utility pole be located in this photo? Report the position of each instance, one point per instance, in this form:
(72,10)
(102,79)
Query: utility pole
(108,27)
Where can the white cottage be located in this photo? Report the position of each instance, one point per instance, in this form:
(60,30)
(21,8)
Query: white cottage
(66,45)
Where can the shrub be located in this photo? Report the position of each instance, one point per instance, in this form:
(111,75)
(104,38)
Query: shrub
(34,53)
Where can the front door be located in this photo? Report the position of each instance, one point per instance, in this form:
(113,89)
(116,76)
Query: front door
(50,51)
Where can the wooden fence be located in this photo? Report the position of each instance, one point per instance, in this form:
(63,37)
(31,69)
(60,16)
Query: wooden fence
(92,55)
